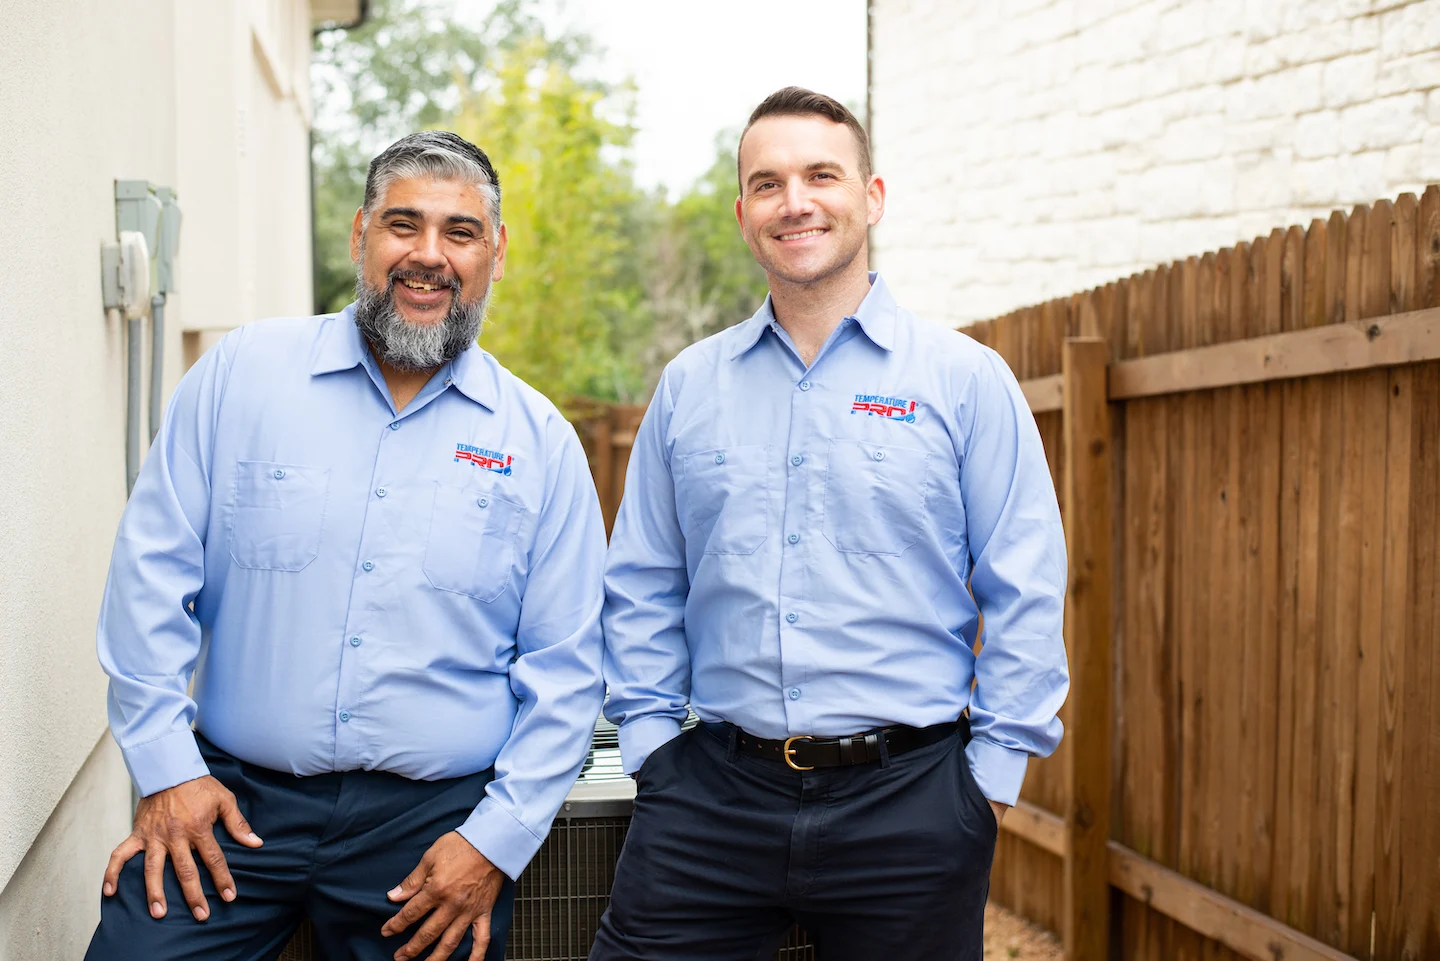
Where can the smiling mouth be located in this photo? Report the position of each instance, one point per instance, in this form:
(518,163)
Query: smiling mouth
(803,234)
(418,285)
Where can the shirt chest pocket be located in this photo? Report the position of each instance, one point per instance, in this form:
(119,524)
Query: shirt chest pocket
(875,497)
(279,515)
(471,546)
(723,498)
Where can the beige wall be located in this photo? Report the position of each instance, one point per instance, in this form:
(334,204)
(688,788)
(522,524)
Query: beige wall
(52,903)
(210,98)
(1037,147)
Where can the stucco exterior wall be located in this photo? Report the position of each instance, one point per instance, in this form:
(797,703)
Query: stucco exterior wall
(210,98)
(1038,147)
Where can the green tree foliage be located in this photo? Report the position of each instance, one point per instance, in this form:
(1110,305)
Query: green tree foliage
(699,275)
(562,316)
(604,282)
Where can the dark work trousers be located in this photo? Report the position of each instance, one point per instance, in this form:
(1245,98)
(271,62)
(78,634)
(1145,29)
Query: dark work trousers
(888,861)
(334,844)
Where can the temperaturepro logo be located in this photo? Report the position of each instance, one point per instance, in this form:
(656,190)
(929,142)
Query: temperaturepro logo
(891,408)
(491,460)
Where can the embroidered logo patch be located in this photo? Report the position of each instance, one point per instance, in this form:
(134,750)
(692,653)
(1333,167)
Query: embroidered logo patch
(891,408)
(491,460)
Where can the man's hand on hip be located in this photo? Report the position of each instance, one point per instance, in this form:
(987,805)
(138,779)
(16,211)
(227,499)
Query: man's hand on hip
(170,823)
(457,886)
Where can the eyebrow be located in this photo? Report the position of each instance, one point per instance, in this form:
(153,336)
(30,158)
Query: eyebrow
(811,168)
(415,214)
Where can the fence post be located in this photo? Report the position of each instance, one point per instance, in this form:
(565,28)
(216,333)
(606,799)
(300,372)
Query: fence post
(1088,542)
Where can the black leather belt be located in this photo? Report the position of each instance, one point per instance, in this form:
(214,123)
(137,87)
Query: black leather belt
(805,753)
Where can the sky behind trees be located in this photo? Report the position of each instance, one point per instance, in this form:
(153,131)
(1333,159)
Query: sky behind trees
(700,68)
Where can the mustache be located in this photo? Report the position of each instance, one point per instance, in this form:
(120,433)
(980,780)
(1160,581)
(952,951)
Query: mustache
(423,277)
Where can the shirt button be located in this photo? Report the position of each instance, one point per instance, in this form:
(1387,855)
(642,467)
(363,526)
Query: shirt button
(368,566)
(794,538)
(794,693)
(797,460)
(792,617)
(354,642)
(380,492)
(804,385)
(483,502)
(879,455)
(395,425)
(279,473)
(344,715)
(719,458)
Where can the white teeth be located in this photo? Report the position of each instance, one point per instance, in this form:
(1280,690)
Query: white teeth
(415,285)
(803,233)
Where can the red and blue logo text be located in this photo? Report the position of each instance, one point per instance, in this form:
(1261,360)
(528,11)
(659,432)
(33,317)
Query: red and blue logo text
(491,460)
(890,408)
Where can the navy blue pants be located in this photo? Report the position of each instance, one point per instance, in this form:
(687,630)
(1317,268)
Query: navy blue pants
(334,844)
(887,861)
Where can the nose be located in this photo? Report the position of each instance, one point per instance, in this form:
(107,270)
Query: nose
(795,202)
(428,251)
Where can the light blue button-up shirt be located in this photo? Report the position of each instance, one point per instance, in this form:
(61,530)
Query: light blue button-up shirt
(355,588)
(794,545)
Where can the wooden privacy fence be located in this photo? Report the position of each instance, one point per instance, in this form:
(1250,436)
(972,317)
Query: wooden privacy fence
(1247,446)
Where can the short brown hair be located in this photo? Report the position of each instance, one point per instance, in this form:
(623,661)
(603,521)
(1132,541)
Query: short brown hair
(799,102)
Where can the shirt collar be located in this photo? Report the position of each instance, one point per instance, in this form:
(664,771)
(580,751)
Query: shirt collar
(875,315)
(343,347)
(475,375)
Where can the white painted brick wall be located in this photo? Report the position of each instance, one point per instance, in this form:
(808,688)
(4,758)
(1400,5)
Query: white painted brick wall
(1033,148)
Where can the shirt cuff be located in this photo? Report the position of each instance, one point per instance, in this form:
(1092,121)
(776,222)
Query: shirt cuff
(640,737)
(164,762)
(998,770)
(505,842)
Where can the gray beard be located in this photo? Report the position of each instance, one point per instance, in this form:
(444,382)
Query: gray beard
(415,347)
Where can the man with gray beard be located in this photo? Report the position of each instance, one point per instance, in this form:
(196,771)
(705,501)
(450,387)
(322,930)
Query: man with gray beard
(379,556)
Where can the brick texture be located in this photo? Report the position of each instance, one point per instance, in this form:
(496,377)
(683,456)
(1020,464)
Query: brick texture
(1037,147)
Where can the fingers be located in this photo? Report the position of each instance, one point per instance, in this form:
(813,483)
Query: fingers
(128,848)
(155,878)
(417,908)
(189,877)
(413,881)
(214,860)
(441,925)
(236,824)
(481,929)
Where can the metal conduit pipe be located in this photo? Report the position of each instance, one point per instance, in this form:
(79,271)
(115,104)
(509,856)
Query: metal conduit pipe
(132,403)
(157,362)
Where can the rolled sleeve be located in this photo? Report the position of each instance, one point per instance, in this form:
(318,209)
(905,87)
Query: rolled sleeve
(556,675)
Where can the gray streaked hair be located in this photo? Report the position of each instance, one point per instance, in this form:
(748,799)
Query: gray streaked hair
(438,155)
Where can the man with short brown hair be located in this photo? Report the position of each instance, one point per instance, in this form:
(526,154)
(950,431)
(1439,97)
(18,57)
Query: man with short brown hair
(821,504)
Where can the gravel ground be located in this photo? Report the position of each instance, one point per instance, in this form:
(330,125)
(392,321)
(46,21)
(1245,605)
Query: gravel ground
(1007,935)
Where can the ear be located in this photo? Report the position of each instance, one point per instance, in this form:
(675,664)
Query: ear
(874,200)
(355,233)
(502,243)
(740,213)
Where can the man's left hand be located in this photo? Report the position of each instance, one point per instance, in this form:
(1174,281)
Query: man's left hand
(999,810)
(457,886)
